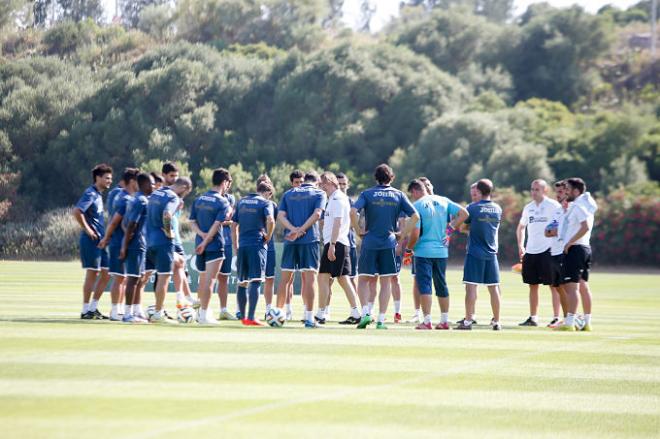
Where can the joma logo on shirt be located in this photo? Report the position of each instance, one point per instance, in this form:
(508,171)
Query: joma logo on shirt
(384,194)
(488,210)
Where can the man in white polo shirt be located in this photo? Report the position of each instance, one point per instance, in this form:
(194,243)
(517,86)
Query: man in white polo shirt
(335,258)
(557,252)
(575,234)
(535,254)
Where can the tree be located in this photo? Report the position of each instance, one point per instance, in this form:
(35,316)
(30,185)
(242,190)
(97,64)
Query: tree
(556,54)
(131,10)
(78,10)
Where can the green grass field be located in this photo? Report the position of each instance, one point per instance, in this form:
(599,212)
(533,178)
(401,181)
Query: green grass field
(64,378)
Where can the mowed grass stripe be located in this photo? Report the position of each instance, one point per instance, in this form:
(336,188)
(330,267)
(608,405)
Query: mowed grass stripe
(337,382)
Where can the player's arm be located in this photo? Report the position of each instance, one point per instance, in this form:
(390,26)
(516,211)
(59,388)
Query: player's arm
(314,217)
(584,228)
(293,230)
(114,223)
(128,235)
(411,224)
(209,237)
(234,236)
(355,222)
(336,226)
(270,228)
(82,222)
(413,238)
(195,227)
(167,225)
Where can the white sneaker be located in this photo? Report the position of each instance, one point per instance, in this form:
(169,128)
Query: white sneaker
(289,316)
(226,315)
(162,319)
(208,321)
(414,319)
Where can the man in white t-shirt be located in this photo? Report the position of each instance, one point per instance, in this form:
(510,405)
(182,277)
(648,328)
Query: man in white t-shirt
(575,234)
(535,253)
(557,252)
(335,258)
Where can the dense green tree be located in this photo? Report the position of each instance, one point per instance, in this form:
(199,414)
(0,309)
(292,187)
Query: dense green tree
(556,54)
(131,10)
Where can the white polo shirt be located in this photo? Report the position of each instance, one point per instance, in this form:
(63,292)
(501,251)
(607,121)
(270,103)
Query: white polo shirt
(535,218)
(557,247)
(575,215)
(339,206)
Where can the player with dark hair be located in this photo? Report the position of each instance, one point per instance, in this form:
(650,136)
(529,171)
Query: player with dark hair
(225,268)
(208,213)
(382,206)
(481,266)
(114,236)
(134,248)
(299,212)
(88,213)
(252,229)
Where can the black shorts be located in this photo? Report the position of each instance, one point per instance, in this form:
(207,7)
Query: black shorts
(341,266)
(536,269)
(557,265)
(577,263)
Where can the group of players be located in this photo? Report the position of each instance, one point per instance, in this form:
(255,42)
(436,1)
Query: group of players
(321,225)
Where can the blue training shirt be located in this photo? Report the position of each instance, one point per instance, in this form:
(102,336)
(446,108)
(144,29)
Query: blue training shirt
(161,201)
(250,215)
(485,217)
(299,203)
(434,212)
(382,206)
(111,199)
(226,230)
(91,205)
(119,205)
(136,212)
(271,243)
(351,232)
(206,210)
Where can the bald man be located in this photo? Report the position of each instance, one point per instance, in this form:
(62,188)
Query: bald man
(535,252)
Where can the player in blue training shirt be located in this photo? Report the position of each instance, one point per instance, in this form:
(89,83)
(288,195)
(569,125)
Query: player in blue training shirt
(208,213)
(271,255)
(134,248)
(382,206)
(225,268)
(299,211)
(111,196)
(114,235)
(481,266)
(162,206)
(88,212)
(252,230)
(430,245)
(170,173)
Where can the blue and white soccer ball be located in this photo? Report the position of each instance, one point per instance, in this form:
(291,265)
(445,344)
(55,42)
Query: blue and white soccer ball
(186,314)
(275,318)
(579,322)
(151,310)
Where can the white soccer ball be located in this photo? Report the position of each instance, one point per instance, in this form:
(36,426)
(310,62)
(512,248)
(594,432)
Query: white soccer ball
(579,323)
(186,314)
(275,318)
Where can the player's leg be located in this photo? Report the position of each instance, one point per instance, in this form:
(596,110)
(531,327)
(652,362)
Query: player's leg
(396,296)
(324,280)
(348,284)
(223,283)
(213,261)
(556,306)
(473,275)
(269,285)
(163,256)
(387,268)
(91,276)
(423,274)
(492,281)
(530,277)
(586,298)
(574,265)
(441,291)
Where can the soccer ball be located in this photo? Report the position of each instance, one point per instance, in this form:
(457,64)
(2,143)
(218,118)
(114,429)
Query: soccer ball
(275,318)
(151,310)
(186,315)
(579,322)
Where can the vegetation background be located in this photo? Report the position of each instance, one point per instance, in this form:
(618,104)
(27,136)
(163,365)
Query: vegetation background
(451,89)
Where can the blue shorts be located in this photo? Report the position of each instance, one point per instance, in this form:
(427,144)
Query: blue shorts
(208,257)
(226,264)
(178,248)
(300,257)
(271,257)
(398,260)
(481,271)
(92,257)
(433,270)
(116,266)
(381,262)
(135,259)
(251,263)
(352,254)
(160,258)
